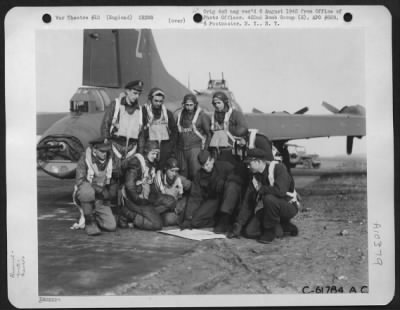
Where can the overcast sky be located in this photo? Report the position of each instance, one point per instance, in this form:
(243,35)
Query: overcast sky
(271,70)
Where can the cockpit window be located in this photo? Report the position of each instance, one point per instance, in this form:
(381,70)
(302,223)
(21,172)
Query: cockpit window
(221,84)
(79,106)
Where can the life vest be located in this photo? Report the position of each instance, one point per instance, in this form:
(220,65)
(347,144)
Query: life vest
(193,127)
(161,184)
(119,155)
(271,178)
(129,125)
(158,128)
(147,178)
(94,175)
(241,151)
(221,134)
(252,138)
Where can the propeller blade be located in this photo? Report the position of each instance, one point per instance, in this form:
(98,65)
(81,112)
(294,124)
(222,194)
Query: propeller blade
(256,111)
(349,144)
(330,107)
(302,111)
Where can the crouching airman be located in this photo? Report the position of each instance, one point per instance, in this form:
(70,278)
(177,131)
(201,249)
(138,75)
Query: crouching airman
(169,183)
(270,201)
(214,189)
(140,205)
(95,190)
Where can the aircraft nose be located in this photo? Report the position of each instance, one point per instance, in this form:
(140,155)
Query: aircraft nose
(58,155)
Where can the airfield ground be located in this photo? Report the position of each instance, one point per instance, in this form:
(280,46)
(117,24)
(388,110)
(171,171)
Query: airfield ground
(331,249)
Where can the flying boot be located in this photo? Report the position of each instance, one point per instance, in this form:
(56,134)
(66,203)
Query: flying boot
(235,231)
(279,231)
(91,227)
(125,216)
(267,236)
(289,227)
(223,224)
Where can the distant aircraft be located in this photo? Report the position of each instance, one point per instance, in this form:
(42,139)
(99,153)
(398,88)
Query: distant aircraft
(111,58)
(299,156)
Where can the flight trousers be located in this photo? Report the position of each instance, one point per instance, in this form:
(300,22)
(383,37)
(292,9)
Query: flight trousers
(153,216)
(231,197)
(188,162)
(276,210)
(91,200)
(204,215)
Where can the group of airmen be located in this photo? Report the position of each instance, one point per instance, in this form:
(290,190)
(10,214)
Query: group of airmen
(189,170)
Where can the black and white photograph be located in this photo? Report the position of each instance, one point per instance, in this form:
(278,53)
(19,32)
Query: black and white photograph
(238,153)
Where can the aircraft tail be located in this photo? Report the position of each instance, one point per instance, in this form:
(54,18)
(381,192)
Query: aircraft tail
(112,58)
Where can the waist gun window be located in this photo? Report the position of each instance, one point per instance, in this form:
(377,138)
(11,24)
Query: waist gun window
(79,106)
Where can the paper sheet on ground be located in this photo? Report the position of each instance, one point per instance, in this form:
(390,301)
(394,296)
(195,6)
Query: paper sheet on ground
(193,234)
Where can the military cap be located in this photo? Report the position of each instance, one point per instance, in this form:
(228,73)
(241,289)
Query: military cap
(190,97)
(156,92)
(136,85)
(256,153)
(171,163)
(101,145)
(222,96)
(151,146)
(203,156)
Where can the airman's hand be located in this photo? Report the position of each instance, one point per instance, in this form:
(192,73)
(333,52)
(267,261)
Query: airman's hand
(186,225)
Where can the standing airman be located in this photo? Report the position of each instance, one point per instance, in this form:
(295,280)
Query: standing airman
(123,125)
(227,126)
(160,125)
(194,135)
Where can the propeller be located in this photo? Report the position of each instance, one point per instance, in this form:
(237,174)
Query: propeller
(256,111)
(330,107)
(353,109)
(302,111)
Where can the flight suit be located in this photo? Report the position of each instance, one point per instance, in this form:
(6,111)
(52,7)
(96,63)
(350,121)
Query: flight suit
(211,192)
(95,190)
(194,135)
(159,125)
(268,201)
(125,130)
(226,126)
(140,206)
(178,188)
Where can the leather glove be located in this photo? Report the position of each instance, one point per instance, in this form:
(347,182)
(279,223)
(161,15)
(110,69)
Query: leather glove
(187,224)
(235,232)
(179,209)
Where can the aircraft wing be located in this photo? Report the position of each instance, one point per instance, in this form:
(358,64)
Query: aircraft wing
(294,126)
(45,120)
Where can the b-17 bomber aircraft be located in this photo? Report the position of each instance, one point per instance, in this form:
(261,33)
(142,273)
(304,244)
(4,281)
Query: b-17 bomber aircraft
(112,58)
